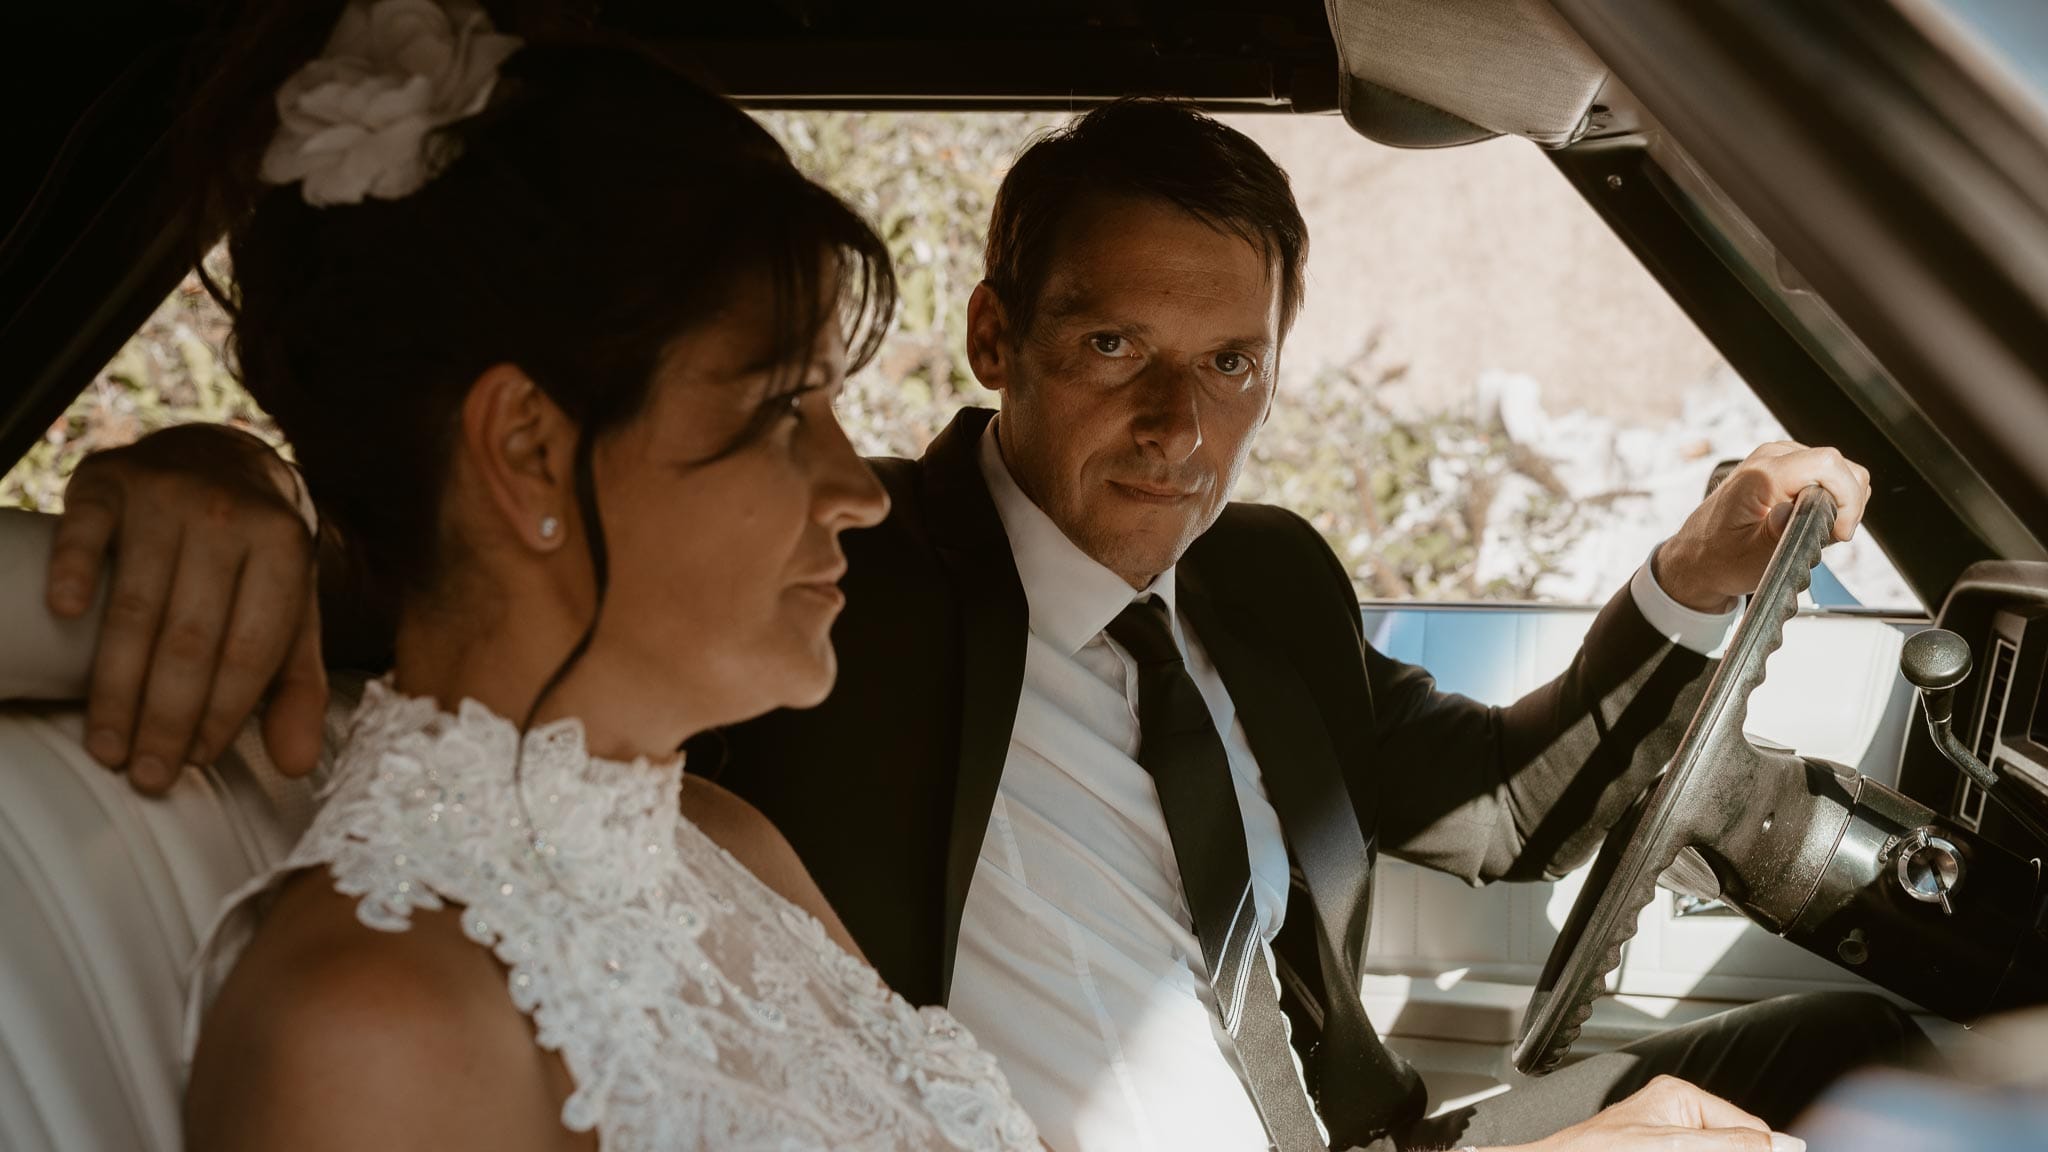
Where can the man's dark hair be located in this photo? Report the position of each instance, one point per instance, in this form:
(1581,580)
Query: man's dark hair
(1163,149)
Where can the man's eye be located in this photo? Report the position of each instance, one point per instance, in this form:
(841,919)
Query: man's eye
(1107,343)
(1233,363)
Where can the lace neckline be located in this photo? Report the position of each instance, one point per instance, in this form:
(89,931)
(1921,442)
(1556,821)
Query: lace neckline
(589,822)
(693,1007)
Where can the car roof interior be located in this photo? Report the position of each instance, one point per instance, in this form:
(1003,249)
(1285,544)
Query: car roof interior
(95,241)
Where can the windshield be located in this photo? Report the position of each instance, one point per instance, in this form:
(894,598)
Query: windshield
(1773,279)
(2004,42)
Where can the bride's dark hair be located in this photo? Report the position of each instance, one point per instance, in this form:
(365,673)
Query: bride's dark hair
(598,207)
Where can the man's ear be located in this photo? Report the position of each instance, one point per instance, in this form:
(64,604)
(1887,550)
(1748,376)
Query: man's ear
(523,449)
(990,349)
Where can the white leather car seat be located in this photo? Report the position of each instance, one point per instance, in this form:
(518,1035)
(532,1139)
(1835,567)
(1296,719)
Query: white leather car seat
(104,894)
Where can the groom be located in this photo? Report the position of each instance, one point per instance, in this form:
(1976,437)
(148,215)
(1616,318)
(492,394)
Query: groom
(1110,762)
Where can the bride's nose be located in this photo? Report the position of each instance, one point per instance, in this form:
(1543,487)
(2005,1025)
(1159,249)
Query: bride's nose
(849,494)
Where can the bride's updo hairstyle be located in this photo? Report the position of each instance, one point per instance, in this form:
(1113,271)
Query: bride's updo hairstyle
(597,206)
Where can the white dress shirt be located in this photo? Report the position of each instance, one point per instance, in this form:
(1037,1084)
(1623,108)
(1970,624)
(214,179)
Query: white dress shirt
(1078,965)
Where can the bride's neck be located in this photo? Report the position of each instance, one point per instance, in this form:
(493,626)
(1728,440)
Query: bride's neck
(452,656)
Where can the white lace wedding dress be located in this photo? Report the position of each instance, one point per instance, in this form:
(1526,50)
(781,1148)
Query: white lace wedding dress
(694,1007)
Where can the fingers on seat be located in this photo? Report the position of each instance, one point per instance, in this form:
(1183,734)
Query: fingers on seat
(92,512)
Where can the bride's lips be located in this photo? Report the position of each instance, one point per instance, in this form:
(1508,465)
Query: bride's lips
(828,594)
(824,587)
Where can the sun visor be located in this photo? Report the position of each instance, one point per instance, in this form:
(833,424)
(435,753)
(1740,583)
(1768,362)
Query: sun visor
(1434,73)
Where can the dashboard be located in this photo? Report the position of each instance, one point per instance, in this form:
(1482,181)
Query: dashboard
(2011,731)
(2002,709)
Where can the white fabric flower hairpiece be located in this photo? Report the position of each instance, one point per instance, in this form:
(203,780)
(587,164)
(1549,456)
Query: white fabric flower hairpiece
(353,123)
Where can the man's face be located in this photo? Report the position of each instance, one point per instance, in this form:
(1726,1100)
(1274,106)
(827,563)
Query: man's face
(1130,403)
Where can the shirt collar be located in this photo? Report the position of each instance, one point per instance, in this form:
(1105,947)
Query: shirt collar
(1072,597)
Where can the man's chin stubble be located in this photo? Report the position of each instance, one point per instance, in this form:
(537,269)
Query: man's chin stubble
(1134,563)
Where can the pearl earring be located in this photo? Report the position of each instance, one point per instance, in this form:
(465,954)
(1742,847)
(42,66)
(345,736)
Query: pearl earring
(549,527)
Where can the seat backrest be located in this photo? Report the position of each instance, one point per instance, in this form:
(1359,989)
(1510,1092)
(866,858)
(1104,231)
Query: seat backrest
(104,895)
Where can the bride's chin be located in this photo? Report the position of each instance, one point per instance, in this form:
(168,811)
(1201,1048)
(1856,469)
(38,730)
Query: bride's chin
(809,679)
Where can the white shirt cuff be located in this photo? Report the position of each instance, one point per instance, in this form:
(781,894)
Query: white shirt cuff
(1704,632)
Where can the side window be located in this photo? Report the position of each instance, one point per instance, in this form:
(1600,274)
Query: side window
(174,370)
(1485,398)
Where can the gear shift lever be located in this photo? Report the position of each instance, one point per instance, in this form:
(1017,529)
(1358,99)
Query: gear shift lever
(1935,661)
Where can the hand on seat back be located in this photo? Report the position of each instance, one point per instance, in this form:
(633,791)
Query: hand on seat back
(1668,1115)
(1722,549)
(212,601)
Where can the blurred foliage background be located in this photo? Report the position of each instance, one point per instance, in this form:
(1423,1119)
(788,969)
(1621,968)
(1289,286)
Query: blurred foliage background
(1405,499)
(174,370)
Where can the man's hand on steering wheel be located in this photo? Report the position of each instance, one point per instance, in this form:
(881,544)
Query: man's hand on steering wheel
(212,601)
(1720,552)
(1716,775)
(1667,1115)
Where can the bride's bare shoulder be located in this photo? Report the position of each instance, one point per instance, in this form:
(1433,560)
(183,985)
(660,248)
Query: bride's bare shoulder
(331,1034)
(739,828)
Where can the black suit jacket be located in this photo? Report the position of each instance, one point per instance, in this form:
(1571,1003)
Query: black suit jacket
(885,789)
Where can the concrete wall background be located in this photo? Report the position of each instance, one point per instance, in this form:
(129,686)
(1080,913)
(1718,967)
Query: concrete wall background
(1476,259)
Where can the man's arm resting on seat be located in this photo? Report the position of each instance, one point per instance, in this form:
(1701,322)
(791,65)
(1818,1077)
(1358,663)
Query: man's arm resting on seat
(210,600)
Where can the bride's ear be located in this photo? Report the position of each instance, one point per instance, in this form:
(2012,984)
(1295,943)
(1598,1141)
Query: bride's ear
(523,448)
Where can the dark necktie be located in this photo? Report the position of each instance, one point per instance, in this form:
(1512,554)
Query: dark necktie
(1179,747)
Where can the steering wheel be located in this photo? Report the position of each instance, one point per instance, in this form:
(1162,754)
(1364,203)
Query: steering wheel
(1698,802)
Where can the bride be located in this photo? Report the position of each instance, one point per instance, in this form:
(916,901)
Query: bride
(556,337)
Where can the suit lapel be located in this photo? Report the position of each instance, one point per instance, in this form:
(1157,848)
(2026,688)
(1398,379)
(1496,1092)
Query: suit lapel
(994,622)
(1297,761)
